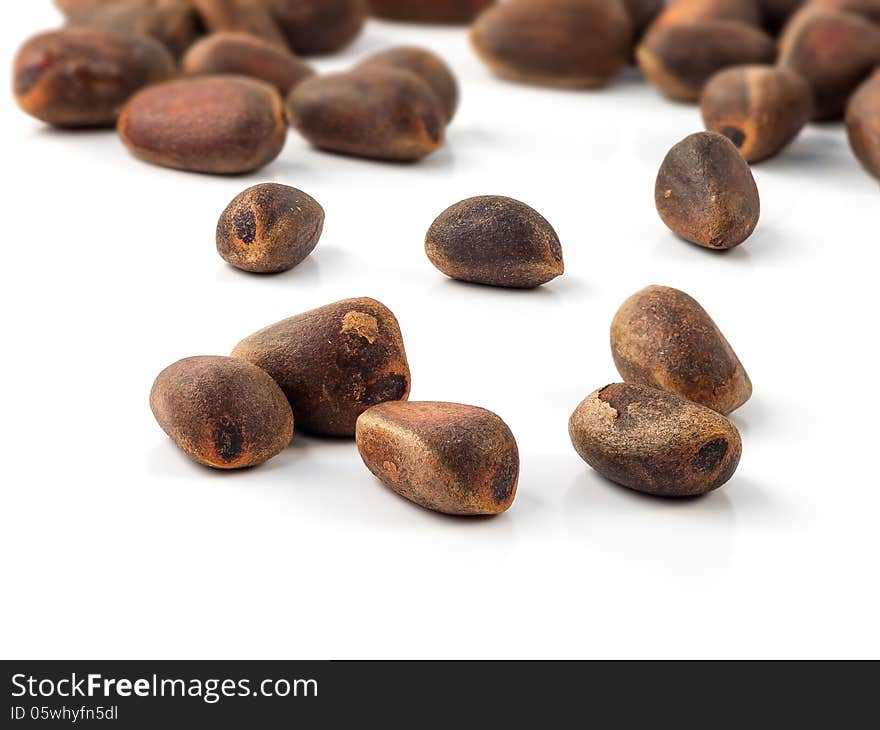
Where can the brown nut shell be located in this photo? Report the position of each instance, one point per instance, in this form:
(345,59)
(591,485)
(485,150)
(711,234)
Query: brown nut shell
(681,12)
(705,192)
(214,124)
(655,442)
(430,11)
(269,228)
(491,239)
(244,16)
(761,109)
(319,26)
(863,124)
(663,338)
(81,77)
(379,113)
(425,64)
(446,457)
(222,412)
(564,43)
(333,363)
(245,55)
(867,9)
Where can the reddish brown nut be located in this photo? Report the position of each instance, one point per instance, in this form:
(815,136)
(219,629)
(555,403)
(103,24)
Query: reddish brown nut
(245,16)
(430,11)
(380,113)
(655,442)
(867,9)
(333,363)
(269,228)
(446,457)
(834,52)
(566,43)
(319,26)
(495,240)
(680,59)
(663,338)
(705,192)
(81,77)
(247,55)
(215,124)
(425,64)
(775,13)
(761,109)
(222,412)
(680,12)
(863,124)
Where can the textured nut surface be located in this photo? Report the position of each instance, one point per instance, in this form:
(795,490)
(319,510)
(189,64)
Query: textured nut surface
(662,337)
(655,442)
(381,113)
(863,124)
(680,12)
(679,59)
(246,16)
(214,124)
(81,77)
(222,412)
(566,43)
(333,362)
(269,228)
(447,457)
(319,26)
(705,192)
(425,64)
(430,11)
(761,109)
(245,55)
(495,240)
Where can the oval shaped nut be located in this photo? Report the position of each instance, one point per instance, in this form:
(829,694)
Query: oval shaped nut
(222,412)
(245,16)
(269,228)
(680,59)
(333,362)
(319,26)
(495,240)
(215,124)
(655,442)
(430,11)
(834,52)
(81,77)
(680,12)
(565,43)
(705,192)
(663,338)
(425,64)
(863,124)
(380,113)
(446,457)
(245,55)
(761,109)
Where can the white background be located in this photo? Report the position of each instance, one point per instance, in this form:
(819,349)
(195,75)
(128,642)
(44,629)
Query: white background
(114,545)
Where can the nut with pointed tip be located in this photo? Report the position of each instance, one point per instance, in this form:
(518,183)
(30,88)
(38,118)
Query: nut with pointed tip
(430,11)
(450,458)
(863,124)
(319,26)
(655,442)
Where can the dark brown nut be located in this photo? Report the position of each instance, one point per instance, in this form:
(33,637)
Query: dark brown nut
(705,192)
(450,458)
(247,55)
(680,59)
(565,43)
(834,52)
(863,124)
(775,13)
(269,228)
(222,412)
(495,240)
(425,64)
(641,14)
(655,442)
(680,12)
(245,16)
(333,363)
(761,109)
(215,124)
(381,113)
(430,11)
(319,26)
(81,77)
(663,338)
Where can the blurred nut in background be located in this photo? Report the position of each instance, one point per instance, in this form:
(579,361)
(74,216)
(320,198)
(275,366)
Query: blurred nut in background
(319,26)
(430,11)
